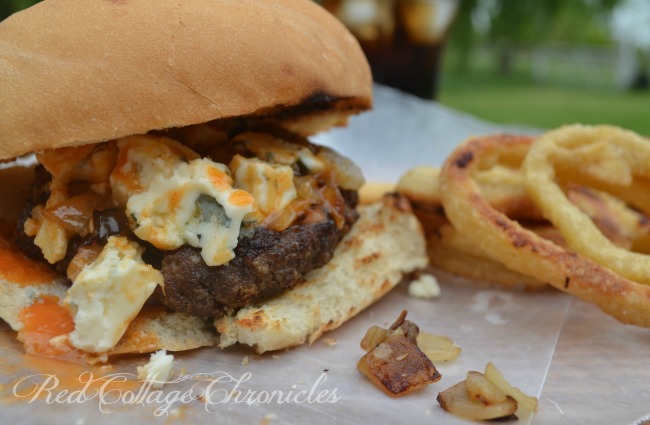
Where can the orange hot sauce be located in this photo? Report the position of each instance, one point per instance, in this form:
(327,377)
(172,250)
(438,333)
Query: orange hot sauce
(42,321)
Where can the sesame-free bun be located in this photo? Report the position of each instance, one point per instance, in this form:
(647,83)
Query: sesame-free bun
(74,72)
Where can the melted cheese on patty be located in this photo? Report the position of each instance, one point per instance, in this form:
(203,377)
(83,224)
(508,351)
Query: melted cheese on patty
(270,184)
(173,197)
(195,205)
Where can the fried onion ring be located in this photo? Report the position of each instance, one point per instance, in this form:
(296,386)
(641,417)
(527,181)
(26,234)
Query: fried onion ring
(524,251)
(449,249)
(503,187)
(453,252)
(502,184)
(605,153)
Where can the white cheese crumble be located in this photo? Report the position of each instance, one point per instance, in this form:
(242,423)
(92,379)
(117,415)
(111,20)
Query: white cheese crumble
(270,184)
(158,370)
(173,197)
(141,159)
(426,286)
(108,293)
(195,203)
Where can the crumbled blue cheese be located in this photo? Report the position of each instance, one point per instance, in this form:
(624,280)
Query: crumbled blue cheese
(270,184)
(142,158)
(108,293)
(158,370)
(425,286)
(173,197)
(193,203)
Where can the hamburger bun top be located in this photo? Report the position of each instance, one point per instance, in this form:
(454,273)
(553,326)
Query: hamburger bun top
(74,72)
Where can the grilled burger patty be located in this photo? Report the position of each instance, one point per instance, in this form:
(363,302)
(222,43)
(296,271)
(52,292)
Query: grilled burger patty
(266,262)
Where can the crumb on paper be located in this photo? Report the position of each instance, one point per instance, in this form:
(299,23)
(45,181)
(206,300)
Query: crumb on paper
(244,361)
(158,370)
(275,356)
(106,368)
(496,319)
(330,341)
(425,287)
(268,418)
(175,414)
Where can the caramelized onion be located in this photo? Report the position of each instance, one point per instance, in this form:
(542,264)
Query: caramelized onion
(486,396)
(85,255)
(457,400)
(438,348)
(393,361)
(75,214)
(373,338)
(398,366)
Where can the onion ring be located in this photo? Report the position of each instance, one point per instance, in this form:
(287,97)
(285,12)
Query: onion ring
(501,183)
(524,251)
(503,187)
(448,250)
(604,153)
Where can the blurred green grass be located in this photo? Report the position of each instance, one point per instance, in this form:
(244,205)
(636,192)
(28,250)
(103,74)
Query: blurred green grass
(516,99)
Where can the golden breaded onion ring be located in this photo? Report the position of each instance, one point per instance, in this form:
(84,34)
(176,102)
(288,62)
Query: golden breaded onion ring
(503,187)
(501,183)
(455,252)
(524,251)
(602,152)
(449,249)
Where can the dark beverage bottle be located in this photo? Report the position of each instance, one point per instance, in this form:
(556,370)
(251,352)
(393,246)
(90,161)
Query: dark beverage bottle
(402,39)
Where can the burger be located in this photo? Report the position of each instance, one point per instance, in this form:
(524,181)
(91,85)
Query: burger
(176,201)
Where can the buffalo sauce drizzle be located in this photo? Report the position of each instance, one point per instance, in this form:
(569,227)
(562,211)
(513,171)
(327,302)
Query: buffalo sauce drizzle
(43,320)
(15,267)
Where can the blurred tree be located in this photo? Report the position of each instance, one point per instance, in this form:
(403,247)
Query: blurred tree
(463,34)
(7,7)
(630,23)
(519,23)
(5,10)
(514,25)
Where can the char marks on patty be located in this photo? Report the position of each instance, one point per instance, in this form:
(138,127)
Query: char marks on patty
(265,264)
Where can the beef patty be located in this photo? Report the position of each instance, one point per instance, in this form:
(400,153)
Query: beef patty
(266,262)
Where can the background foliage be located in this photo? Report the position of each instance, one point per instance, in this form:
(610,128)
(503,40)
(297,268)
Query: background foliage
(7,7)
